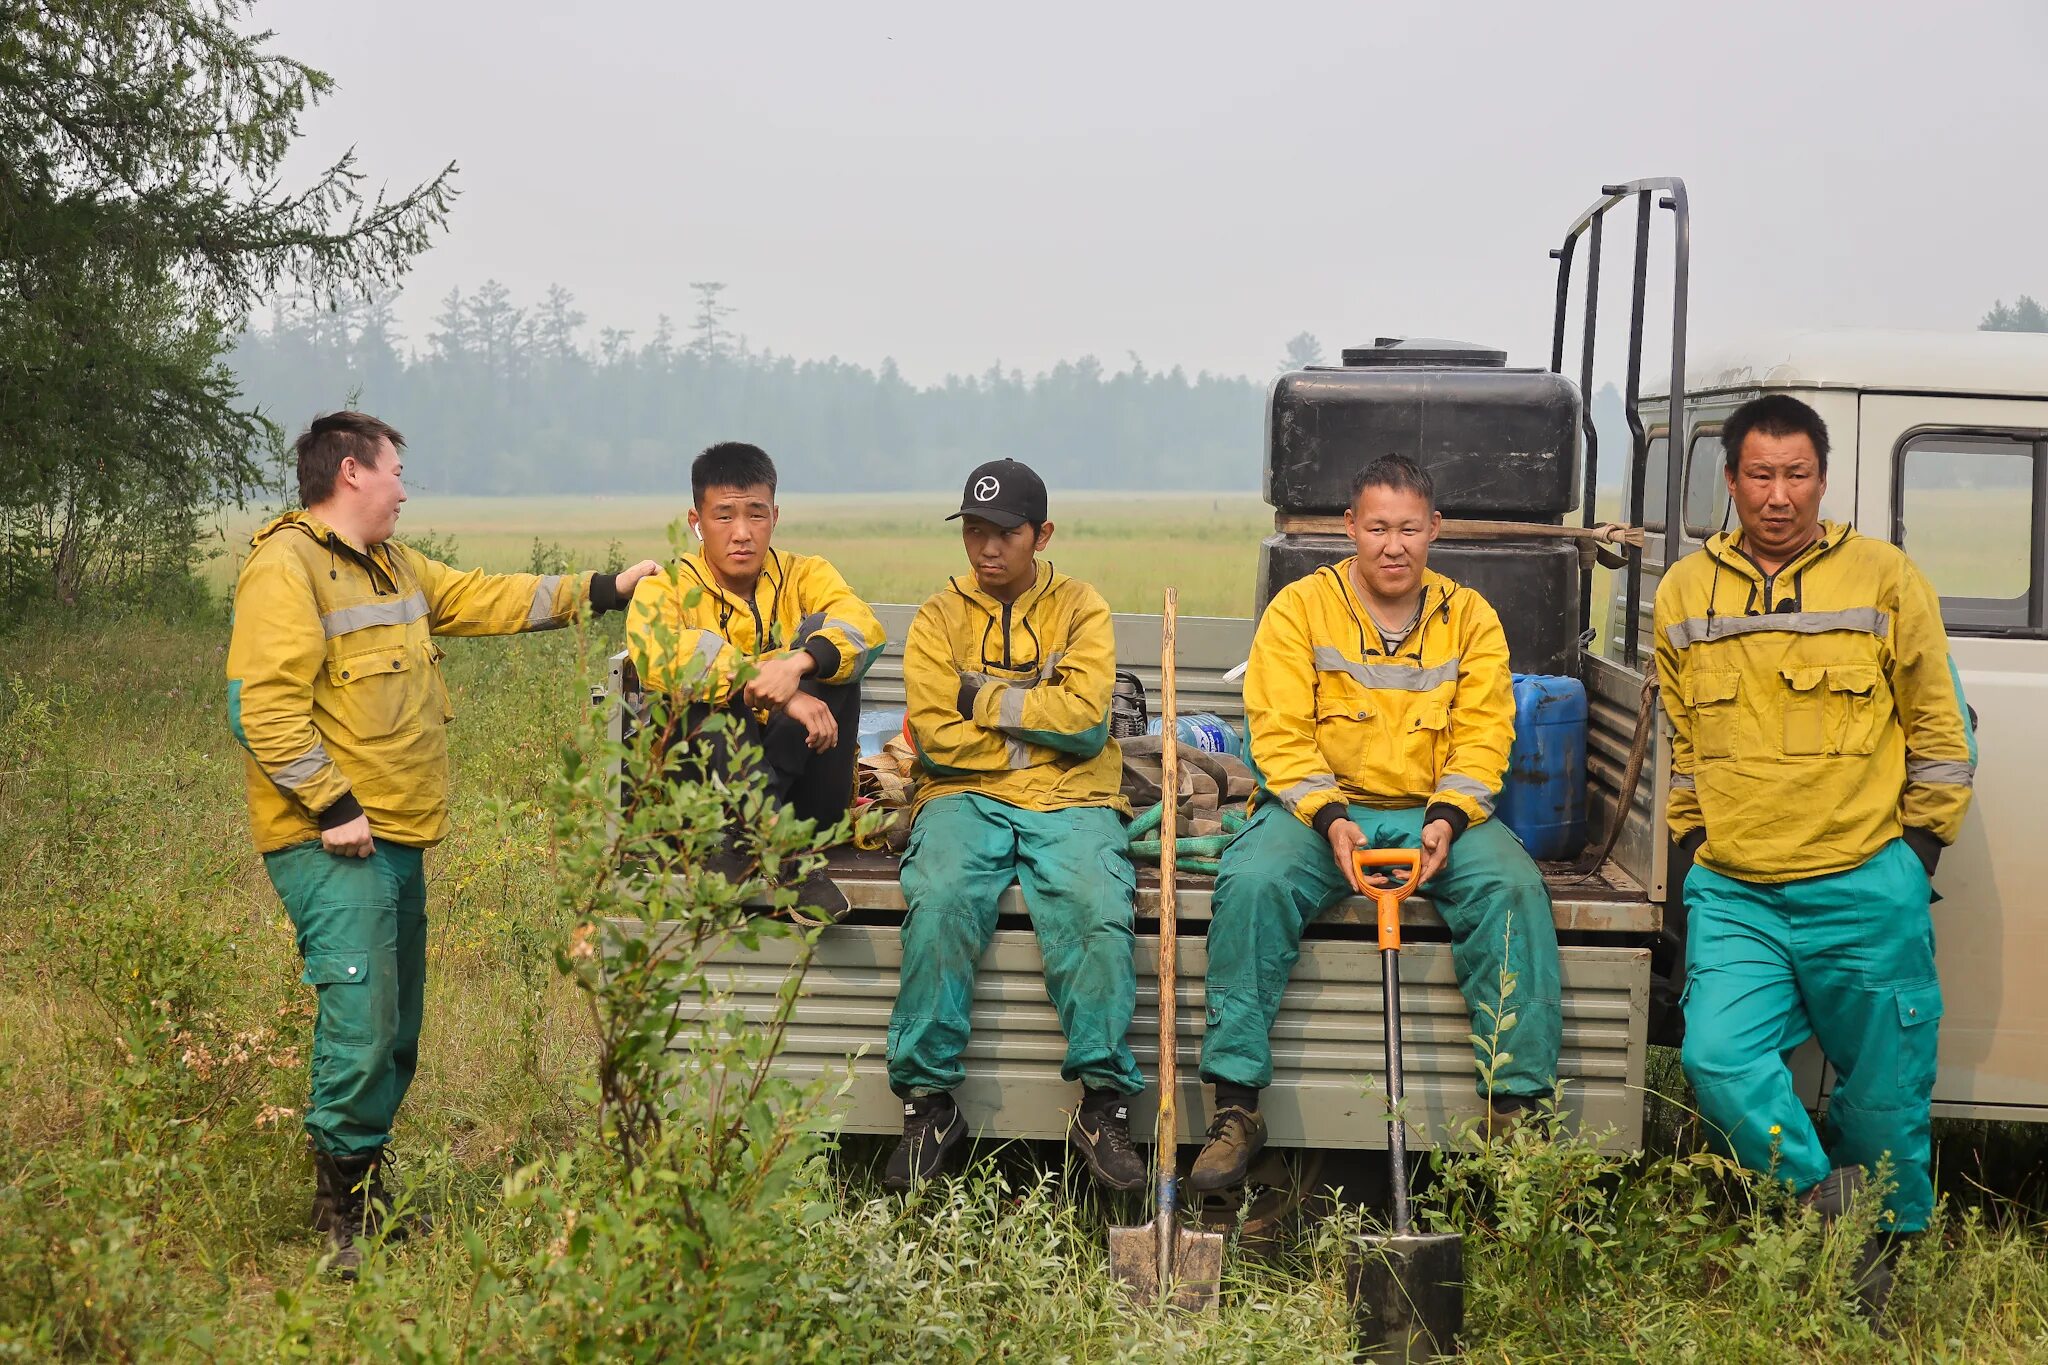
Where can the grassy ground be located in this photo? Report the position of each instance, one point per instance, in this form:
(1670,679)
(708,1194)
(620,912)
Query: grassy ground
(895,549)
(153,1035)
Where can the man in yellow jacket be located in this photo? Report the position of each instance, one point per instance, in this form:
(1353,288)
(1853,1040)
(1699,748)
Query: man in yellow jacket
(740,604)
(335,693)
(1820,762)
(1008,672)
(1381,713)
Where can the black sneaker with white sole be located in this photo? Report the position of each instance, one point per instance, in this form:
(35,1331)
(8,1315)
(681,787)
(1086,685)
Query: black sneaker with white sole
(1101,1136)
(932,1129)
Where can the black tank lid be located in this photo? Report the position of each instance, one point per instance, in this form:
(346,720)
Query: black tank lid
(1434,353)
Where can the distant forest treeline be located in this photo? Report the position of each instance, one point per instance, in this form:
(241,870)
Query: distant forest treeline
(504,398)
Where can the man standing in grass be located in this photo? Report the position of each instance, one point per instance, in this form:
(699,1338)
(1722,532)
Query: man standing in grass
(1381,713)
(807,637)
(335,692)
(1821,761)
(1008,672)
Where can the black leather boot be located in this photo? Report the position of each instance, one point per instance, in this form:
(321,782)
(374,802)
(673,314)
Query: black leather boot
(340,1189)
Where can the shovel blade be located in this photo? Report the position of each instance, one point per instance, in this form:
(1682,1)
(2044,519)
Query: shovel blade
(1408,1295)
(1197,1266)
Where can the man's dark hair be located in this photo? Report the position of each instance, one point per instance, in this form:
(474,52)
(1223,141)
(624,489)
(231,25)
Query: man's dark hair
(1398,472)
(1774,414)
(322,447)
(730,464)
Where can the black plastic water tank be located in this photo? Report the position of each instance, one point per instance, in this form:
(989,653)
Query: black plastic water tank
(1499,442)
(1533,585)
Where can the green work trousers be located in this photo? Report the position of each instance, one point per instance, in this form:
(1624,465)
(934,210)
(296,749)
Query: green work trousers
(1278,875)
(362,932)
(964,852)
(1848,959)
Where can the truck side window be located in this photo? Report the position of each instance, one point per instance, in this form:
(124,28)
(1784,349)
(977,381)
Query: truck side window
(1969,512)
(1706,483)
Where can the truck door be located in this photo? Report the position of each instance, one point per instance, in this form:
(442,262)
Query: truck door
(1962,485)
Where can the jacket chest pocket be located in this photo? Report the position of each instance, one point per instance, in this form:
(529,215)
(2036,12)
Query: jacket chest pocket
(438,683)
(377,693)
(1344,721)
(1712,696)
(1831,709)
(1422,739)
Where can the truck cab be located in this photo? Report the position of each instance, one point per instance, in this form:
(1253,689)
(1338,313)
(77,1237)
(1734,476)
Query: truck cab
(1940,445)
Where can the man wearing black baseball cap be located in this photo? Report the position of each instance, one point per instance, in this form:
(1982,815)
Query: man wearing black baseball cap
(1007,674)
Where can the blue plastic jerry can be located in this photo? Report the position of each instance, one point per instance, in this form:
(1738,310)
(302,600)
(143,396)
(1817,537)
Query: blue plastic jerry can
(1543,799)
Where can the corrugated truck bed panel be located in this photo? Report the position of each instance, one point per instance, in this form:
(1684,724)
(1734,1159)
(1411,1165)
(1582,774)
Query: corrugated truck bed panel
(1327,1041)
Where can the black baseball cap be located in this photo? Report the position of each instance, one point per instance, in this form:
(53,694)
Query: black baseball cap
(1004,492)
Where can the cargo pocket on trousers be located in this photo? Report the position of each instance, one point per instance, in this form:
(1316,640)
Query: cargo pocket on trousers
(1919,1039)
(338,977)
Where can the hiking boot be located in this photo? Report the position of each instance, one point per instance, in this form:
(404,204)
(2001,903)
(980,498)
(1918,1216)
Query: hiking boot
(1235,1138)
(1874,1275)
(932,1128)
(379,1212)
(1506,1114)
(339,1185)
(1832,1197)
(1101,1136)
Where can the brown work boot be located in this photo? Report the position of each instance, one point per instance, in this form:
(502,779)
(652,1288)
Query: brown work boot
(339,1200)
(1507,1114)
(1235,1138)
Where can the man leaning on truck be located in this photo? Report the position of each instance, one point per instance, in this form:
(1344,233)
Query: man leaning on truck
(335,692)
(1381,713)
(1820,762)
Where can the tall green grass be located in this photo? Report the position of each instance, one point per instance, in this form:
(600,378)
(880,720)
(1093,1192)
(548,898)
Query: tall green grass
(153,1186)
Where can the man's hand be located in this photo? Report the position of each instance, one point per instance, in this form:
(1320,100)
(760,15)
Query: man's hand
(774,683)
(351,840)
(821,731)
(1346,838)
(629,579)
(1436,850)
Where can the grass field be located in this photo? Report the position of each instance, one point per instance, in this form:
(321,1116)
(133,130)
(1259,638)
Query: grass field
(894,549)
(153,1034)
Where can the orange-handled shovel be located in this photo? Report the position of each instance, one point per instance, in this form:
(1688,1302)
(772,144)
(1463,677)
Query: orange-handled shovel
(1407,1289)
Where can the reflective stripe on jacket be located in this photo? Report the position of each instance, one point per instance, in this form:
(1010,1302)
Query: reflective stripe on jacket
(1814,712)
(1040,669)
(799,602)
(334,681)
(1334,716)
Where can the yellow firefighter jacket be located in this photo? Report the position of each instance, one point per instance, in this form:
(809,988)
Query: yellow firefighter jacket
(1011,700)
(698,647)
(1335,717)
(1814,712)
(334,681)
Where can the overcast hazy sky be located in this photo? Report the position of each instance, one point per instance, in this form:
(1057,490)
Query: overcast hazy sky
(953,184)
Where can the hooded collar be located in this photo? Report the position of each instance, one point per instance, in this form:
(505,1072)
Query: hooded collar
(1726,549)
(773,574)
(334,542)
(1045,577)
(1437,592)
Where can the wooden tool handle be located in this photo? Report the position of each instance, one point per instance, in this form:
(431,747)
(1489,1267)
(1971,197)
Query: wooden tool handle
(1387,899)
(1169,813)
